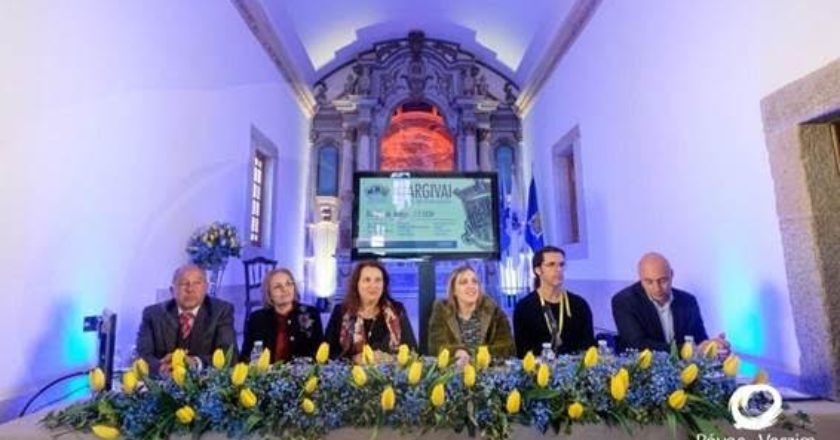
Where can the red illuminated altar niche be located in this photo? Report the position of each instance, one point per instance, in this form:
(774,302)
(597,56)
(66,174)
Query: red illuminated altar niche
(417,139)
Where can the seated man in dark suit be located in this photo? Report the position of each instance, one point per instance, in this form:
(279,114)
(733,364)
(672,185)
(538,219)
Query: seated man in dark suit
(651,314)
(190,320)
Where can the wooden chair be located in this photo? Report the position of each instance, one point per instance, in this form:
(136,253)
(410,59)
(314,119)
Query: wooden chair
(255,270)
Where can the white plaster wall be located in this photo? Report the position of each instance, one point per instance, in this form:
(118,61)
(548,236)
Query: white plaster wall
(667,98)
(124,126)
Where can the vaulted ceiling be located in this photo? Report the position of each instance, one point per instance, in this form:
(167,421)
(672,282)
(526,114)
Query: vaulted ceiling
(514,37)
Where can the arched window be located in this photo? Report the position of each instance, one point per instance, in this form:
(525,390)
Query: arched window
(328,171)
(504,166)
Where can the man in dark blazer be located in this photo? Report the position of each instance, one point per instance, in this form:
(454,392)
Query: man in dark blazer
(190,320)
(652,314)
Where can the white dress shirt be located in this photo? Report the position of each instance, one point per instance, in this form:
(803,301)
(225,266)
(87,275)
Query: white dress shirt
(666,318)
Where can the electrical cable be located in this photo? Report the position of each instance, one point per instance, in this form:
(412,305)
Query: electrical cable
(48,386)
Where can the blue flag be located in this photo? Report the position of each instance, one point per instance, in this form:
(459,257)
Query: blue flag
(504,215)
(533,230)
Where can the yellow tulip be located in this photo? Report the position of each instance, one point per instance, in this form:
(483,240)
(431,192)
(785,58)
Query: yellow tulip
(311,385)
(141,368)
(529,362)
(367,355)
(105,431)
(543,375)
(469,375)
(761,377)
(730,365)
(590,359)
(185,414)
(514,401)
(388,398)
(239,373)
(687,351)
(323,353)
(575,410)
(624,376)
(247,398)
(264,361)
(179,357)
(710,351)
(482,357)
(677,399)
(403,355)
(179,375)
(308,406)
(218,359)
(415,372)
(689,374)
(443,359)
(438,395)
(618,389)
(645,358)
(359,376)
(96,378)
(129,381)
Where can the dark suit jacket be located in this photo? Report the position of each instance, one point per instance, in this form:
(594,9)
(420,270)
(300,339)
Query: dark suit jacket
(530,329)
(638,322)
(159,331)
(303,326)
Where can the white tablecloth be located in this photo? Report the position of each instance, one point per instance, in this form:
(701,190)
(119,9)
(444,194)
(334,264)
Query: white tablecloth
(825,415)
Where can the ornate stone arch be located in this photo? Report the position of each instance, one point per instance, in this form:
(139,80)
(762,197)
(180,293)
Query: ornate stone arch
(355,103)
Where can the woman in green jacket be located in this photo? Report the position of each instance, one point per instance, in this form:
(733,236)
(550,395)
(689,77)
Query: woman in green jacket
(467,319)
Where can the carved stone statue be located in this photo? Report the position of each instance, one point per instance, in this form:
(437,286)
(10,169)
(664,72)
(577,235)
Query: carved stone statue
(363,81)
(320,93)
(468,80)
(350,84)
(510,94)
(482,88)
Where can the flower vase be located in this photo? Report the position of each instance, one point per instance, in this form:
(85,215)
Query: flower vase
(214,278)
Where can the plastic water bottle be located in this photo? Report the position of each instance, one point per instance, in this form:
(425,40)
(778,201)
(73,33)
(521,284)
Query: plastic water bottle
(128,362)
(547,354)
(256,351)
(689,339)
(604,351)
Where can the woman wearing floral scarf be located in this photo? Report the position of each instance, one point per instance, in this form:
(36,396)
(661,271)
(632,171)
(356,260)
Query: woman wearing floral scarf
(287,328)
(369,316)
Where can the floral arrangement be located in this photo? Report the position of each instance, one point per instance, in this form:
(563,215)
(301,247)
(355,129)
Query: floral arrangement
(306,399)
(211,246)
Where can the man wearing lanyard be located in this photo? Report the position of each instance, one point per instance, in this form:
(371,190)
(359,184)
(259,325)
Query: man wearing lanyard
(551,313)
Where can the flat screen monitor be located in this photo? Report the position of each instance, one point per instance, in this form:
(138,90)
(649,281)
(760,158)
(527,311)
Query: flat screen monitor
(425,215)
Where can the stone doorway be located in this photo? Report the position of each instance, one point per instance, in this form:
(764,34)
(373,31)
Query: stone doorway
(801,131)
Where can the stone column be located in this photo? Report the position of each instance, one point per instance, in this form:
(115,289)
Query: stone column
(470,159)
(363,156)
(346,186)
(485,151)
(347,161)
